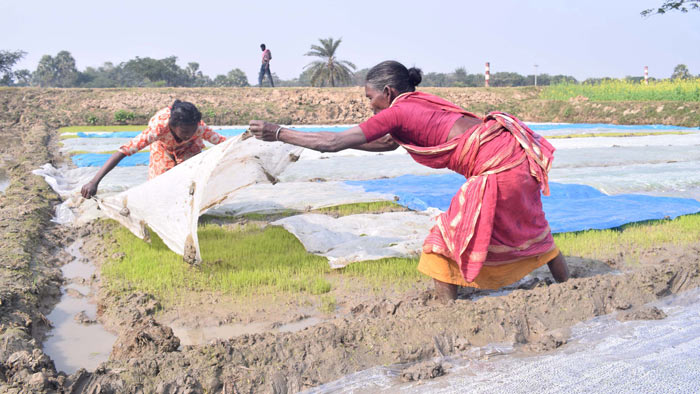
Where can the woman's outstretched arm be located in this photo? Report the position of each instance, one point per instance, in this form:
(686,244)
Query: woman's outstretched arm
(383,144)
(323,141)
(90,188)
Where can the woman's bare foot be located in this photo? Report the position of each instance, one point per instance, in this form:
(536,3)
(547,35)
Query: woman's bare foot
(445,291)
(559,269)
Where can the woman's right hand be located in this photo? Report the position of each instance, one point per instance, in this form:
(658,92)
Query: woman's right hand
(89,189)
(263,130)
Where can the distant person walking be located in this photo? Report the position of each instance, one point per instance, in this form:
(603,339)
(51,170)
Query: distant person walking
(265,66)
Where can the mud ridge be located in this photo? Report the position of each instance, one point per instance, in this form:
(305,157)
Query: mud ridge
(29,275)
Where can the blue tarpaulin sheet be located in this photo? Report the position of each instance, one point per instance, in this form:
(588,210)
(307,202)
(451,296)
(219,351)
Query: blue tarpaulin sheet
(569,207)
(98,159)
(225,132)
(229,132)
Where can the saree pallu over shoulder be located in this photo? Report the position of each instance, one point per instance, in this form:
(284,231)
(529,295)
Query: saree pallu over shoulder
(463,232)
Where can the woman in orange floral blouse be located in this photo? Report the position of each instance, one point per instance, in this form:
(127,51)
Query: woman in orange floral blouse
(174,133)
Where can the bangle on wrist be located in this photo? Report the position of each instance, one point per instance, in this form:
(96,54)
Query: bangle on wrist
(277,133)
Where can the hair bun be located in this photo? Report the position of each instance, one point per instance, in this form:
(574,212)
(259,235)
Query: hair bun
(415,76)
(176,102)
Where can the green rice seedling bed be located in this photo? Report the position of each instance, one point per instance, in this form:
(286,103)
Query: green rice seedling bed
(621,90)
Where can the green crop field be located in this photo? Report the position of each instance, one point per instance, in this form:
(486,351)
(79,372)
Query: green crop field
(620,90)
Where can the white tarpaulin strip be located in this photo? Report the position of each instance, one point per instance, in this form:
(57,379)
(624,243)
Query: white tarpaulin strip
(360,237)
(298,196)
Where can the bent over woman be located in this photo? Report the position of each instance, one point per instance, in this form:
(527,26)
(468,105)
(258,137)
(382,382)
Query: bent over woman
(175,134)
(494,232)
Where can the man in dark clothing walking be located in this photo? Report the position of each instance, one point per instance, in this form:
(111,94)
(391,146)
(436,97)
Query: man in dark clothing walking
(265,66)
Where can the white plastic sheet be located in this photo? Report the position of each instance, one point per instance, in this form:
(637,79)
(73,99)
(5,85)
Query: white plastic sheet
(298,196)
(171,203)
(360,237)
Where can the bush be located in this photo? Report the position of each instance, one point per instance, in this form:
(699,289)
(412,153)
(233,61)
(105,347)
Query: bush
(91,119)
(123,116)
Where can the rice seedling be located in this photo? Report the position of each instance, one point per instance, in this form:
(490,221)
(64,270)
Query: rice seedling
(622,90)
(328,303)
(642,134)
(634,238)
(249,259)
(362,207)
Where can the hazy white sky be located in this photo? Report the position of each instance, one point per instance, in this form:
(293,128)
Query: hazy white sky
(580,38)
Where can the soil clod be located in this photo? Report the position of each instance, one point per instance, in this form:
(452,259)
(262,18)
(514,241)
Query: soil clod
(642,313)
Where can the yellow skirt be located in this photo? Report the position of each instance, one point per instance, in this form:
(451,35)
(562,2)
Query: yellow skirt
(490,277)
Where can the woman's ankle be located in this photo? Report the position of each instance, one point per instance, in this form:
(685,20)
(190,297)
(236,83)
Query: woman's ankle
(559,268)
(445,291)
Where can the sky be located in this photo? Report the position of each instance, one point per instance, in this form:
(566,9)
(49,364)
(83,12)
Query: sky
(592,38)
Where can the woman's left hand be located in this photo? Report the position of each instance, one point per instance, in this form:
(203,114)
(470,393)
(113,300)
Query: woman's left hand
(263,130)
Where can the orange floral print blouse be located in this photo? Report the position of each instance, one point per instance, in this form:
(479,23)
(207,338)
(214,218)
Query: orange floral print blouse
(166,152)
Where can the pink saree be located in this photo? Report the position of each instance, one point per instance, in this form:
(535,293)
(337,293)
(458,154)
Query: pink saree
(496,217)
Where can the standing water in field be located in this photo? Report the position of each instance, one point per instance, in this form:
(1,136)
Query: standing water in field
(77,340)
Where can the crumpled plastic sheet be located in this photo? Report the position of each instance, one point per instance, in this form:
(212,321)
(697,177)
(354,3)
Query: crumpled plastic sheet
(170,204)
(360,237)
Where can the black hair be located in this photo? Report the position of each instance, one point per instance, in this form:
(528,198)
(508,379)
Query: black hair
(262,46)
(184,113)
(394,74)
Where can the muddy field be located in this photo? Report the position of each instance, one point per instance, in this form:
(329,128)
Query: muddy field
(368,329)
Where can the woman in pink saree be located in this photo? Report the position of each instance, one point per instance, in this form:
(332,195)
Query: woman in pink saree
(494,232)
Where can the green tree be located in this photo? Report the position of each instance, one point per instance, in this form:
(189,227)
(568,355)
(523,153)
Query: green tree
(23,77)
(681,72)
(7,60)
(235,78)
(156,72)
(59,71)
(671,5)
(435,79)
(195,75)
(360,76)
(329,71)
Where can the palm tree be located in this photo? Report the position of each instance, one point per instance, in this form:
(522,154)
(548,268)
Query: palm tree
(330,70)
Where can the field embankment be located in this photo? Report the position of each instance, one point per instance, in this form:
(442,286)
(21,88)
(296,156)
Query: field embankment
(64,107)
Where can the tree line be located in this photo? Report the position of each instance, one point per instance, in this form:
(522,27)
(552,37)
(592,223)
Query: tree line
(60,71)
